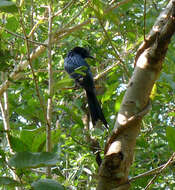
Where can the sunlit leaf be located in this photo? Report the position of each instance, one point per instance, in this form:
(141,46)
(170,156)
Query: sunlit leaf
(81,70)
(153,92)
(170,132)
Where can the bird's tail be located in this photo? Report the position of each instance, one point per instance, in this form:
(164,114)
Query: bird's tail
(95,109)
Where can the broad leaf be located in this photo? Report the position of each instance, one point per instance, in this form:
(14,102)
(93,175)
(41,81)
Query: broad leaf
(33,160)
(67,81)
(29,138)
(17,144)
(47,184)
(8,181)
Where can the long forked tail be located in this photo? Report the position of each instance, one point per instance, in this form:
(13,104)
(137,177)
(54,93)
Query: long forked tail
(95,109)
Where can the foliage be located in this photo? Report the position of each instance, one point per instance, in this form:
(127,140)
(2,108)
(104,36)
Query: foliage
(73,162)
(47,184)
(8,6)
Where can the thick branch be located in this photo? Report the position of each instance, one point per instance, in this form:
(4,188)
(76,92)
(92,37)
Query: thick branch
(119,151)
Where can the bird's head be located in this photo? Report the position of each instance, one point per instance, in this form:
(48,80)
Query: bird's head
(82,51)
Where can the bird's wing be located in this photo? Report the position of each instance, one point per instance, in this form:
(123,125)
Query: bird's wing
(75,65)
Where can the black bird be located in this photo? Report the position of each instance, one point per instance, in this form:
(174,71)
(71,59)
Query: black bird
(78,69)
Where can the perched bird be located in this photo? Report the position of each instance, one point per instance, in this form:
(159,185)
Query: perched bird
(78,69)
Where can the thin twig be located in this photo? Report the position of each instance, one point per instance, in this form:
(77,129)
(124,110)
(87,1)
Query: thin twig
(77,15)
(116,6)
(109,68)
(148,173)
(22,37)
(66,31)
(32,21)
(50,90)
(64,8)
(30,63)
(158,173)
(34,27)
(114,49)
(50,73)
(45,70)
(144,20)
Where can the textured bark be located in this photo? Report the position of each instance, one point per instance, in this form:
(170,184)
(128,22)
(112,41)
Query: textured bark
(119,150)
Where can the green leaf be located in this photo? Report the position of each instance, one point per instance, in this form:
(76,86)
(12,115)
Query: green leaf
(47,184)
(81,70)
(170,133)
(33,160)
(55,136)
(28,137)
(141,142)
(98,132)
(4,61)
(39,142)
(67,81)
(153,92)
(110,91)
(8,6)
(118,101)
(12,24)
(171,114)
(17,145)
(98,8)
(8,181)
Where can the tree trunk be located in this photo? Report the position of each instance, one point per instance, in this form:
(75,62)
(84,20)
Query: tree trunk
(119,150)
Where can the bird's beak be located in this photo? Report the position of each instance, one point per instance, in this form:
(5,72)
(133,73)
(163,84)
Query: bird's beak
(91,57)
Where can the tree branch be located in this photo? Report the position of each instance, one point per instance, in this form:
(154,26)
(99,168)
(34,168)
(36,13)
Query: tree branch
(22,37)
(158,173)
(50,90)
(148,173)
(113,173)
